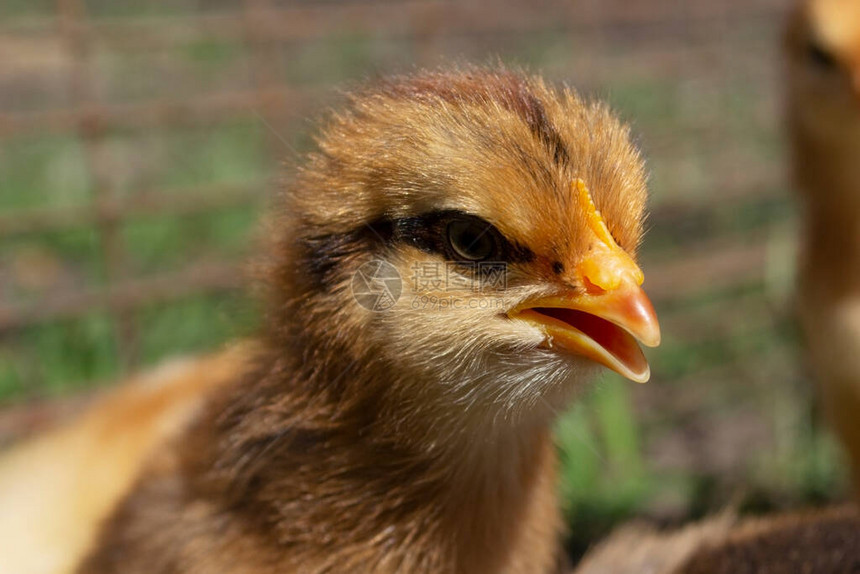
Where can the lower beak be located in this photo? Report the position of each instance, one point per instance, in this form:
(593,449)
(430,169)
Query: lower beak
(605,327)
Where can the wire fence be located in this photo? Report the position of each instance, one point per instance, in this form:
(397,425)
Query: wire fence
(680,34)
(139,142)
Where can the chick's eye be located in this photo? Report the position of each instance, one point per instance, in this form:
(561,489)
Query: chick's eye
(820,57)
(472,239)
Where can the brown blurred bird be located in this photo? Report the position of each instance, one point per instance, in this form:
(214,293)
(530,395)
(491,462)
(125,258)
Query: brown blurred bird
(823,113)
(819,542)
(371,432)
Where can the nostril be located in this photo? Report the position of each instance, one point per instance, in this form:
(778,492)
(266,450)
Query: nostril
(592,288)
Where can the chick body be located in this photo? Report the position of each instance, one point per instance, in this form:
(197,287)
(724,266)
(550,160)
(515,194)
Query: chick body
(414,439)
(57,488)
(823,117)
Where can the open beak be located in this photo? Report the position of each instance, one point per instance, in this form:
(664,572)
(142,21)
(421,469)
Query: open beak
(607,319)
(603,327)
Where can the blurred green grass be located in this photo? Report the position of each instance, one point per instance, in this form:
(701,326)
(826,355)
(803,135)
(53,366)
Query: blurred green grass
(738,371)
(73,354)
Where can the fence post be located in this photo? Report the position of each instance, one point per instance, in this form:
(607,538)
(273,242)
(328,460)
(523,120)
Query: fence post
(90,130)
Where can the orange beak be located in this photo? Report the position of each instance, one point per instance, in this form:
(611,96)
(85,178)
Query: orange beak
(606,322)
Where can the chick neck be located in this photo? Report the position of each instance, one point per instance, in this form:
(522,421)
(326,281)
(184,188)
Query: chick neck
(325,438)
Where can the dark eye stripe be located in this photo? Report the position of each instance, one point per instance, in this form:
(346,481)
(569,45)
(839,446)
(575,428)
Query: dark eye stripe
(429,232)
(321,255)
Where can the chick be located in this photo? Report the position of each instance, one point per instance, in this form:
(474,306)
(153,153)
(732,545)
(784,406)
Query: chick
(823,542)
(823,116)
(449,267)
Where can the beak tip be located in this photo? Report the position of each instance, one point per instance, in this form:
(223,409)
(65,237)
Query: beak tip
(642,322)
(641,378)
(653,340)
(647,331)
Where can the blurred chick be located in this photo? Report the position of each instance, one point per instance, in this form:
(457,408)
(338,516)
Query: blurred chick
(377,433)
(823,113)
(819,542)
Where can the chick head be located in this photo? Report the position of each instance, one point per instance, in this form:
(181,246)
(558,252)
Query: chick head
(473,233)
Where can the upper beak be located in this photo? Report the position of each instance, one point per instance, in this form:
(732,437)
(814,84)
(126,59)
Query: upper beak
(603,321)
